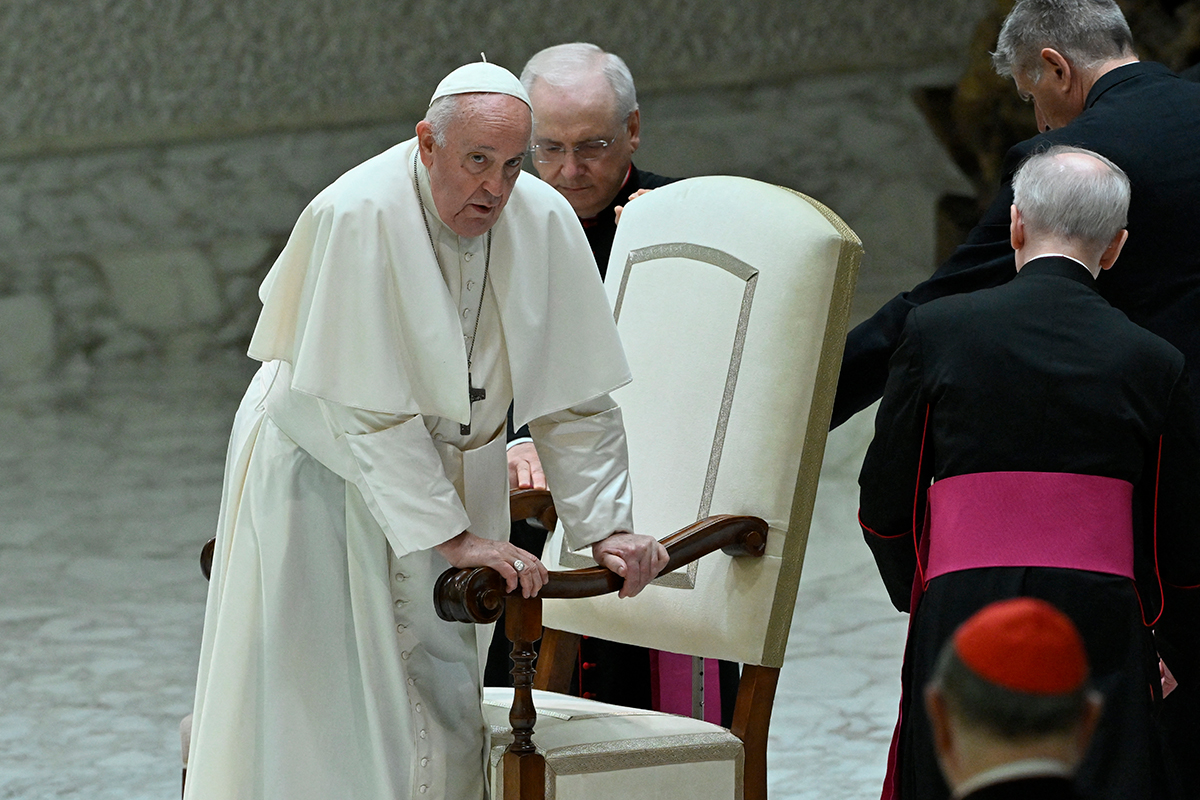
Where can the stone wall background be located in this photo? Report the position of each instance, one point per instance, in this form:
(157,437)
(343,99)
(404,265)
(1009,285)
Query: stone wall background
(156,152)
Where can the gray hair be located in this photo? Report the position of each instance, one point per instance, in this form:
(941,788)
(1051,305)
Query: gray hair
(445,110)
(566,64)
(1086,32)
(441,113)
(1087,205)
(1004,712)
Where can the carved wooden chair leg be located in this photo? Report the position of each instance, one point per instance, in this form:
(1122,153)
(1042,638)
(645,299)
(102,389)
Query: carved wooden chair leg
(524,766)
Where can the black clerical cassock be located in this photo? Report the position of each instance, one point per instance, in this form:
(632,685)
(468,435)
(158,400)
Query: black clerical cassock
(1059,439)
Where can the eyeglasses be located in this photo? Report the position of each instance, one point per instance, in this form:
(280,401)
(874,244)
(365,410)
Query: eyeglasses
(554,153)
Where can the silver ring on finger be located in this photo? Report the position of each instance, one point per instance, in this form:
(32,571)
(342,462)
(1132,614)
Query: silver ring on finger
(518,565)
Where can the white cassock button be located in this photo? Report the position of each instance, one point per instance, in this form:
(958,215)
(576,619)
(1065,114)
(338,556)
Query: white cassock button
(400,628)
(405,655)
(411,682)
(418,706)
(468,256)
(422,734)
(424,762)
(424,789)
(400,576)
(466,313)
(470,285)
(401,603)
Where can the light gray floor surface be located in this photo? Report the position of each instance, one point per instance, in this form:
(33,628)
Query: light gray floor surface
(106,498)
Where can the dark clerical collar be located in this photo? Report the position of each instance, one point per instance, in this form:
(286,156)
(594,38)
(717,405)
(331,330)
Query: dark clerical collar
(1059,265)
(1121,74)
(1030,768)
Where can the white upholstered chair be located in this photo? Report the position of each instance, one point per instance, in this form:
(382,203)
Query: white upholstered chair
(732,298)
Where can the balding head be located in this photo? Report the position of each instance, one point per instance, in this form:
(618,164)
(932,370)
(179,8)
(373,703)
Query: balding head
(1068,198)
(582,64)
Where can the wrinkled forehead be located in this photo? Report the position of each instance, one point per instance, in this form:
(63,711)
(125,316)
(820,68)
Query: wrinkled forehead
(588,103)
(494,122)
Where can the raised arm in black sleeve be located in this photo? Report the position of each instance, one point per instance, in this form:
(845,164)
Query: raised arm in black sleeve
(984,260)
(896,470)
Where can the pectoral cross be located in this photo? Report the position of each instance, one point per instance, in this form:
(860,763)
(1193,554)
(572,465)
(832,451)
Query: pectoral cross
(474,394)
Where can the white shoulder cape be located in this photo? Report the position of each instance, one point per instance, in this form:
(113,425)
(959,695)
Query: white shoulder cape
(357,305)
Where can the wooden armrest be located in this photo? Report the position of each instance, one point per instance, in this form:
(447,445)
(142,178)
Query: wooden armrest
(533,504)
(206,557)
(479,595)
(476,594)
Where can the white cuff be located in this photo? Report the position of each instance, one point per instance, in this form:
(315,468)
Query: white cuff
(587,462)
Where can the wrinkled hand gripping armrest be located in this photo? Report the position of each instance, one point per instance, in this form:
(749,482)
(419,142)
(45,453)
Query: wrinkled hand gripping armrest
(476,594)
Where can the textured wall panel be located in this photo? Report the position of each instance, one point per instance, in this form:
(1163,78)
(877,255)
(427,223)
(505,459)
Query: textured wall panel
(87,73)
(158,249)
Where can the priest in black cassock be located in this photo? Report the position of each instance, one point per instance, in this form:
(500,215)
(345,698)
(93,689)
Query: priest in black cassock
(1059,439)
(1075,61)
(587,126)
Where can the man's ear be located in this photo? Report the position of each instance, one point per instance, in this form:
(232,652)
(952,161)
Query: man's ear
(1056,68)
(1087,725)
(634,125)
(425,141)
(1016,228)
(1109,256)
(939,721)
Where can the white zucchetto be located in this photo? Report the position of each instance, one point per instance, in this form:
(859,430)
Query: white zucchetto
(481,77)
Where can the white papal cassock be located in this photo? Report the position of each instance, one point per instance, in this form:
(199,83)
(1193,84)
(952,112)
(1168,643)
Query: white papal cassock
(324,671)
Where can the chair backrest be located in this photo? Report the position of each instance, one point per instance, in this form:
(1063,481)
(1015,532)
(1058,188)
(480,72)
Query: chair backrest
(732,298)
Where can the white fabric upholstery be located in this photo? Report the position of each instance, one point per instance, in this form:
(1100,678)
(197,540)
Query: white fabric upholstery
(604,752)
(731,297)
(734,340)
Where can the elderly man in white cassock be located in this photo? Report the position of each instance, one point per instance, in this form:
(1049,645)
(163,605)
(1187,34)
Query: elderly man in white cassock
(418,295)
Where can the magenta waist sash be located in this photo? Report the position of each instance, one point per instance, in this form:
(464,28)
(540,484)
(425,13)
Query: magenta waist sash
(1030,519)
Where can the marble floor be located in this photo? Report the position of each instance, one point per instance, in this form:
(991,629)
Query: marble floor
(106,498)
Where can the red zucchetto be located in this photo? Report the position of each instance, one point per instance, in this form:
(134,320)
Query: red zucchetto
(1023,645)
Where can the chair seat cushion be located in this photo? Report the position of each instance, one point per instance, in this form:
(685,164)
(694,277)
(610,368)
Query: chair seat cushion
(606,752)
